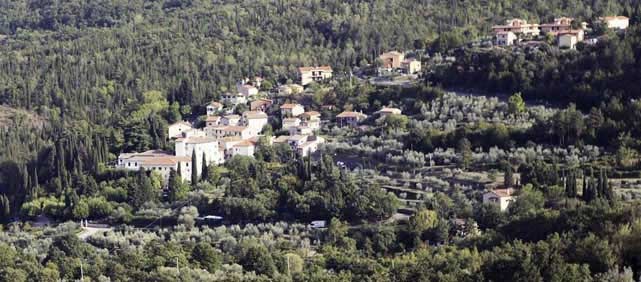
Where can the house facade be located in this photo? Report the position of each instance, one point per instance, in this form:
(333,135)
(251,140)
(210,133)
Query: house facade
(500,197)
(185,147)
(517,26)
(559,25)
(176,129)
(291,110)
(411,66)
(157,161)
(505,38)
(255,120)
(314,74)
(214,108)
(616,22)
(392,60)
(348,118)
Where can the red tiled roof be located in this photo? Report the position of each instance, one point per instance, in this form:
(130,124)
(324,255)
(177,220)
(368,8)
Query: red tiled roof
(288,106)
(320,68)
(349,114)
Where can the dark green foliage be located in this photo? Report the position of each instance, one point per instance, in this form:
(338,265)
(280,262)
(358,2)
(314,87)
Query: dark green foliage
(194,168)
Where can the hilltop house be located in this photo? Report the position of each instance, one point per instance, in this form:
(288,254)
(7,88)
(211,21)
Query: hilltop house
(255,120)
(158,161)
(290,122)
(311,119)
(244,148)
(616,22)
(392,60)
(349,118)
(385,111)
(214,108)
(260,105)
(247,90)
(517,26)
(500,197)
(241,132)
(304,145)
(184,147)
(234,98)
(317,74)
(230,120)
(411,66)
(176,130)
(505,38)
(291,110)
(559,25)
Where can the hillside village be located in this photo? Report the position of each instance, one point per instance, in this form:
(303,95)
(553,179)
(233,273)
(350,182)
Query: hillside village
(320,140)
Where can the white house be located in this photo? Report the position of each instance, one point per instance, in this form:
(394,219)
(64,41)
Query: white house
(310,146)
(157,161)
(616,22)
(290,122)
(214,108)
(194,132)
(230,120)
(291,110)
(247,90)
(234,98)
(244,148)
(500,197)
(385,111)
(176,129)
(568,41)
(300,130)
(255,120)
(241,132)
(311,74)
(348,118)
(207,145)
(411,66)
(304,145)
(505,38)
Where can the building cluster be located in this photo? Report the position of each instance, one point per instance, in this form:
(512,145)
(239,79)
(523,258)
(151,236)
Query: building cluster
(226,134)
(395,60)
(567,35)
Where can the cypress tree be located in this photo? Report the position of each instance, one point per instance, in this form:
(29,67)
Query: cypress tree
(203,173)
(194,168)
(508,180)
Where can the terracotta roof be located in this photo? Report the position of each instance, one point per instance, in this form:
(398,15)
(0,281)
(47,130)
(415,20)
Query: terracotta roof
(181,123)
(212,118)
(288,120)
(254,115)
(232,117)
(245,143)
(392,53)
(297,137)
(311,114)
(609,18)
(196,140)
(503,192)
(389,110)
(289,106)
(281,139)
(164,160)
(235,128)
(320,68)
(216,104)
(349,114)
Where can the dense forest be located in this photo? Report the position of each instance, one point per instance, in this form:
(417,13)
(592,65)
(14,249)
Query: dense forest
(82,81)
